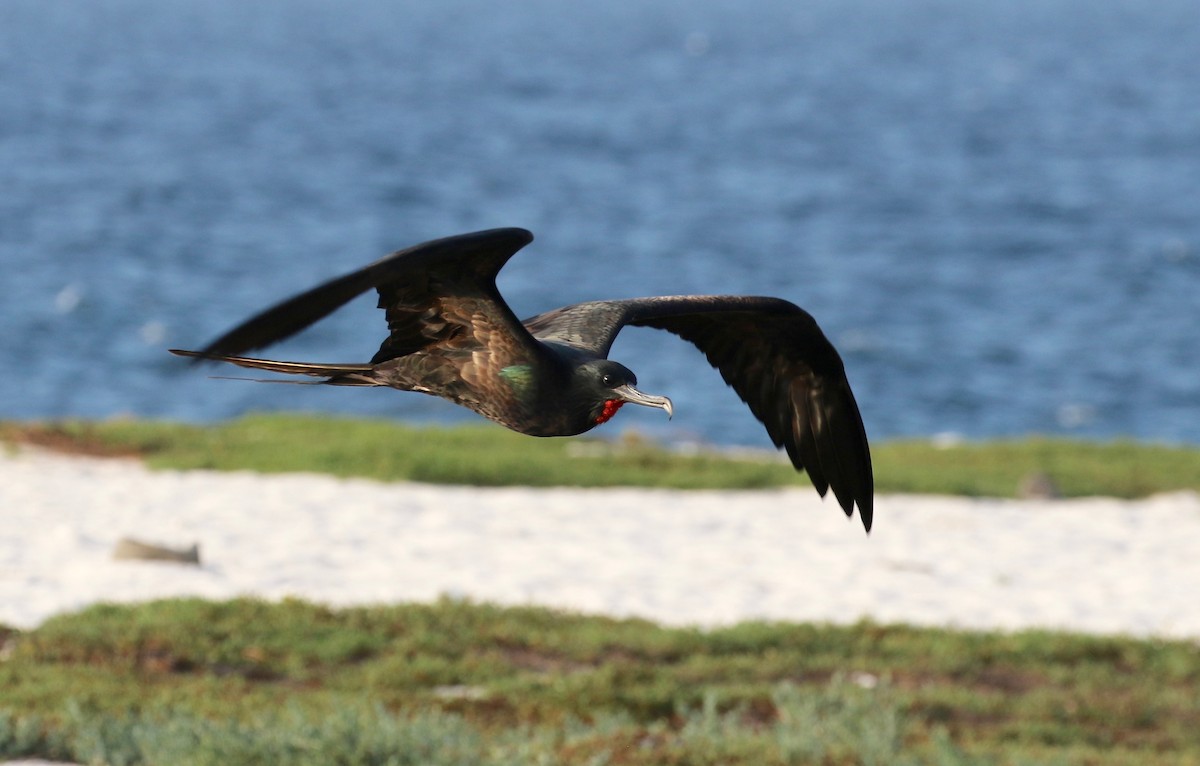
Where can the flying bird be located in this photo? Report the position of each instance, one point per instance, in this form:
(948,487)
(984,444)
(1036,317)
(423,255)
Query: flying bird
(451,334)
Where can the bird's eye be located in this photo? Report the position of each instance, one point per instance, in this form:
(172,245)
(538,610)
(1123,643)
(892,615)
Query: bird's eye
(607,379)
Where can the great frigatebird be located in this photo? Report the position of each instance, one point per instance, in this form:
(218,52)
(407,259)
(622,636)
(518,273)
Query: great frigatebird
(452,335)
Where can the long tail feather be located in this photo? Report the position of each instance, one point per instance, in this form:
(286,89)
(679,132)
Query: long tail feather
(285,381)
(337,374)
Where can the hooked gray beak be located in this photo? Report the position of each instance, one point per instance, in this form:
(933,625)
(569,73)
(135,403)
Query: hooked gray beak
(630,394)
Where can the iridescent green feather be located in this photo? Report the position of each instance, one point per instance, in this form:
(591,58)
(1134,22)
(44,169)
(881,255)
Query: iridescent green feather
(518,376)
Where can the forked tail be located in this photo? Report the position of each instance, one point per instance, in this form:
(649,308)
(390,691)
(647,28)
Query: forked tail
(335,374)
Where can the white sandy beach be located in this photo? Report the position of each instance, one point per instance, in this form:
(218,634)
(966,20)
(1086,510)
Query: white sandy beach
(707,558)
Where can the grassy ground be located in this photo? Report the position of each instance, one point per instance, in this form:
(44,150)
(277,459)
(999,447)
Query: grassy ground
(488,455)
(195,682)
(246,682)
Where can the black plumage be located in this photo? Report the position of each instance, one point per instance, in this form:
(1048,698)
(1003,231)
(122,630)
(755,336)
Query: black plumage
(452,335)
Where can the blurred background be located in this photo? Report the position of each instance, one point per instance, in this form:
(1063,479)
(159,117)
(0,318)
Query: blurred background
(993,209)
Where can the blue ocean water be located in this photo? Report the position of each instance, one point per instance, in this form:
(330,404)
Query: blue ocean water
(993,209)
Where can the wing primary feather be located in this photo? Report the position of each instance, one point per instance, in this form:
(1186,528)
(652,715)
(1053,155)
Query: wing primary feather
(805,452)
(843,454)
(782,366)
(488,249)
(289,317)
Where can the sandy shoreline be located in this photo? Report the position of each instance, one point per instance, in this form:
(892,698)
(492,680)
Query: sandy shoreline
(707,558)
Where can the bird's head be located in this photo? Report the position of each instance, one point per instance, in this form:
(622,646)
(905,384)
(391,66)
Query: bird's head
(602,386)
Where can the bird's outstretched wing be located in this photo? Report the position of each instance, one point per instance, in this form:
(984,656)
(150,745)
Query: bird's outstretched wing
(437,291)
(773,354)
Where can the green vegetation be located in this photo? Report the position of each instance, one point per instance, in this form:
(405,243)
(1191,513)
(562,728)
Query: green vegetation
(454,683)
(489,456)
(248,682)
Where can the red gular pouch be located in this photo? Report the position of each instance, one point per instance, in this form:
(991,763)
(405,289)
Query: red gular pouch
(610,408)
